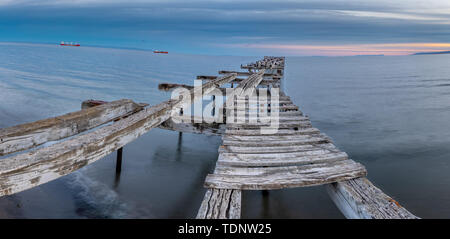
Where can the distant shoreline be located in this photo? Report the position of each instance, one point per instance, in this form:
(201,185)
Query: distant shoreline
(432,53)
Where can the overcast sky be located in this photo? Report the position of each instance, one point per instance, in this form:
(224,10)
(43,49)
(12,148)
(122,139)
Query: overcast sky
(319,27)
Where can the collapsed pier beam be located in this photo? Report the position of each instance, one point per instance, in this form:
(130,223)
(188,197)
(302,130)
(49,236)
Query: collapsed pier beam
(360,199)
(221,204)
(41,165)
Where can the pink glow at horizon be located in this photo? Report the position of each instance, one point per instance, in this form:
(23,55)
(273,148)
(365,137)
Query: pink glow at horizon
(390,49)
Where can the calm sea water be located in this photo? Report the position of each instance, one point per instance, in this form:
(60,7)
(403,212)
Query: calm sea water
(390,113)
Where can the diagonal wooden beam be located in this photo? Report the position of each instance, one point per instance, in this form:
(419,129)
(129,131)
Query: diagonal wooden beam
(27,170)
(29,135)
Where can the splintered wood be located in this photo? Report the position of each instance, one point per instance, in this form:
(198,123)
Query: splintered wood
(359,198)
(220,204)
(41,165)
(251,160)
(29,135)
(268,143)
(296,155)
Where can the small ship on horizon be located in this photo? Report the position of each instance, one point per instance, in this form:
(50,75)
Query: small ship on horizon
(69,44)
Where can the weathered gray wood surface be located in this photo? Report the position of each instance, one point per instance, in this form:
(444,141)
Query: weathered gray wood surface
(266,63)
(280,114)
(275,160)
(196,128)
(273,141)
(262,101)
(257,132)
(281,125)
(27,170)
(299,151)
(293,157)
(170,86)
(360,199)
(265,178)
(29,135)
(239,80)
(241,73)
(251,139)
(220,204)
(276,149)
(281,119)
(257,108)
(246,87)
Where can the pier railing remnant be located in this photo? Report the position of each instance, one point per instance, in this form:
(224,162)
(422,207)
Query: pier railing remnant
(291,154)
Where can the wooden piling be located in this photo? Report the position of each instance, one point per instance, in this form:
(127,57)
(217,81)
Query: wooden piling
(119,160)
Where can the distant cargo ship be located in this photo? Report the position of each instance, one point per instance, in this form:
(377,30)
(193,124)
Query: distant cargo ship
(161,52)
(68,44)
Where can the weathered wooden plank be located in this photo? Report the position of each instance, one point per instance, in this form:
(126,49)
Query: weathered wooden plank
(256,108)
(239,160)
(257,132)
(299,122)
(261,67)
(253,100)
(269,178)
(243,73)
(295,169)
(188,125)
(280,125)
(246,87)
(281,97)
(196,128)
(280,114)
(29,135)
(220,204)
(23,171)
(273,143)
(284,119)
(206,77)
(307,152)
(239,80)
(269,63)
(326,147)
(210,86)
(302,150)
(192,118)
(91,103)
(281,119)
(360,199)
(261,102)
(27,170)
(275,138)
(170,86)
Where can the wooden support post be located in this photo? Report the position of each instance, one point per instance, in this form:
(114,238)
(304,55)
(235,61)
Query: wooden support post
(214,105)
(265,193)
(178,154)
(119,161)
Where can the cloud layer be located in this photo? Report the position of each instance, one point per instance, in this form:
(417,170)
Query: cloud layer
(324,27)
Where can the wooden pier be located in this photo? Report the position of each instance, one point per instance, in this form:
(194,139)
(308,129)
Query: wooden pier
(268,143)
